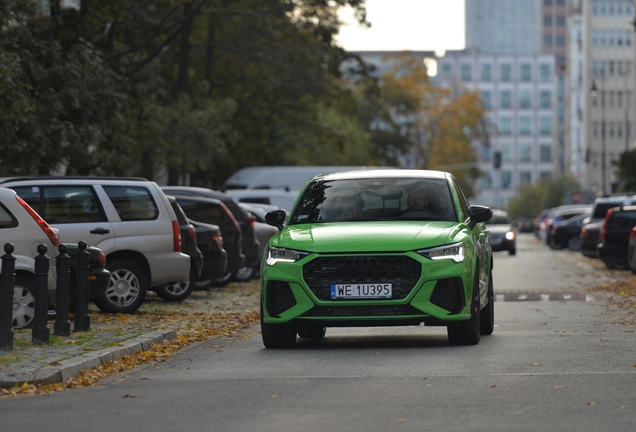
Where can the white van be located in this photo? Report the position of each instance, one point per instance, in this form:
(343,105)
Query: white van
(290,178)
(280,198)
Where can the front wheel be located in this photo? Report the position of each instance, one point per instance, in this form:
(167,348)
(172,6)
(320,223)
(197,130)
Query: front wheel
(277,335)
(468,332)
(487,325)
(126,290)
(177,291)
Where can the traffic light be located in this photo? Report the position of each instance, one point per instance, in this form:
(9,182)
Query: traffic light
(497,160)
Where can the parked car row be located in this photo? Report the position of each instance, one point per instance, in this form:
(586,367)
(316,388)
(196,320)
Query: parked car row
(604,230)
(140,238)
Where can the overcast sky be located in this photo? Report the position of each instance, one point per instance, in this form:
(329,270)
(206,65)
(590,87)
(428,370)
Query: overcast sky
(406,25)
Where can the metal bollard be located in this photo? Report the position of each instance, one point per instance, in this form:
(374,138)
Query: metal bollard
(41,332)
(62,325)
(82,318)
(7,281)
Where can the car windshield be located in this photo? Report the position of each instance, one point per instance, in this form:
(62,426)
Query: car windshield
(498,219)
(375,199)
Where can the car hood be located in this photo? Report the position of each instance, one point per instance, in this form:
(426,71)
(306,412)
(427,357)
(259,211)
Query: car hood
(385,236)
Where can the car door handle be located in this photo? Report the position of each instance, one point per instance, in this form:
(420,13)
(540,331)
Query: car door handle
(100,231)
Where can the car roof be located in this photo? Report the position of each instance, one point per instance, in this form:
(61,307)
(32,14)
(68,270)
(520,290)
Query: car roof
(197,198)
(384,173)
(49,177)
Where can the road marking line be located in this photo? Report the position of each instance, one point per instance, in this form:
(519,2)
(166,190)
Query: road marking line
(500,297)
(545,297)
(523,296)
(567,296)
(589,298)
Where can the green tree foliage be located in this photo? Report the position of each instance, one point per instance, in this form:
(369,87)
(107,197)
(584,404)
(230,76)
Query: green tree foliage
(626,172)
(547,193)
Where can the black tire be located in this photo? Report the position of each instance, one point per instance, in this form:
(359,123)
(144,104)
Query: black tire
(312,332)
(126,290)
(574,243)
(203,285)
(23,303)
(277,335)
(468,332)
(221,282)
(244,274)
(487,314)
(512,251)
(179,290)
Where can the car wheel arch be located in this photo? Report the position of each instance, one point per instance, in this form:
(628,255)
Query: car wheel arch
(133,256)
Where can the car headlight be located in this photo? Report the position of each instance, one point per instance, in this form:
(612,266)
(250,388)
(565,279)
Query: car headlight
(455,252)
(510,235)
(276,255)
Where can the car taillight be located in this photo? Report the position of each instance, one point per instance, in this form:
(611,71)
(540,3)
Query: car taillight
(176,236)
(50,233)
(251,219)
(101,259)
(604,229)
(584,232)
(218,239)
(193,234)
(632,233)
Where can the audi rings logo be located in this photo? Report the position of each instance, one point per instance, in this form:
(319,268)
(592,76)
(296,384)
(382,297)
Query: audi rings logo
(362,263)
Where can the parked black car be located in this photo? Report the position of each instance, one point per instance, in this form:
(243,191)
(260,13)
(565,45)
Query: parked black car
(252,249)
(615,233)
(182,289)
(210,241)
(631,250)
(213,211)
(591,227)
(566,234)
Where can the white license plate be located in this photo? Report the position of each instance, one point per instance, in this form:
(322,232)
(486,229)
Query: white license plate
(361,291)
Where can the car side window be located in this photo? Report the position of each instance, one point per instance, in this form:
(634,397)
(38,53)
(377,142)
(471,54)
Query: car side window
(133,203)
(62,204)
(202,212)
(7,219)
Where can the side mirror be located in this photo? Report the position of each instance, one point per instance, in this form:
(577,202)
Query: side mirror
(276,218)
(477,214)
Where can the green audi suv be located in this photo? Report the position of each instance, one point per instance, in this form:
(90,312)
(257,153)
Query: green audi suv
(378,248)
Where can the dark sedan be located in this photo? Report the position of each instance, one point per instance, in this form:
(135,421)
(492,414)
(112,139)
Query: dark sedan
(501,232)
(210,241)
(615,233)
(566,234)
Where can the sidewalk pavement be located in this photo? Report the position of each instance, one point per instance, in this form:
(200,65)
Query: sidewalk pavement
(65,357)
(112,336)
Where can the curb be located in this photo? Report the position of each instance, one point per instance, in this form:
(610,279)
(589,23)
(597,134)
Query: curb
(72,367)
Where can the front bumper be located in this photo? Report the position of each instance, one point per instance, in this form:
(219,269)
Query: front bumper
(435,292)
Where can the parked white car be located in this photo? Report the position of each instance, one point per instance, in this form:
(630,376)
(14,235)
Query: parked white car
(129,219)
(26,230)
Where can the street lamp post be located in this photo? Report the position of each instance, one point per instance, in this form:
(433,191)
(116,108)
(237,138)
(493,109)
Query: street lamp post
(594,92)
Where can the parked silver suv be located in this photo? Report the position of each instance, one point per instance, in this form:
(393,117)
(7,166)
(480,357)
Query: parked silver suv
(130,219)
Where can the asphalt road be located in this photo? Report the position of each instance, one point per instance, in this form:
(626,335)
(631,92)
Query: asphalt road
(550,365)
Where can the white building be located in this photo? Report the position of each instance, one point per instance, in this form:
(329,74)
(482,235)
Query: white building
(502,26)
(608,69)
(519,94)
(575,130)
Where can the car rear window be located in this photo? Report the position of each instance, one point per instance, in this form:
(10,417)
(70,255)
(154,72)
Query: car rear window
(623,219)
(62,204)
(7,219)
(601,209)
(133,203)
(205,212)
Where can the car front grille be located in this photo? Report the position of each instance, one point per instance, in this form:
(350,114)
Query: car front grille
(279,297)
(400,271)
(448,294)
(368,311)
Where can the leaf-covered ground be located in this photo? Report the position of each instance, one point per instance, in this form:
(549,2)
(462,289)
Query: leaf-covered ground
(218,313)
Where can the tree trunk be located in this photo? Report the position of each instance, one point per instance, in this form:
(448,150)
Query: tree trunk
(184,49)
(209,63)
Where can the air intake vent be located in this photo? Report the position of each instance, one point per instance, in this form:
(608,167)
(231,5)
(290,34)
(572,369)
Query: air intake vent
(279,297)
(448,294)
